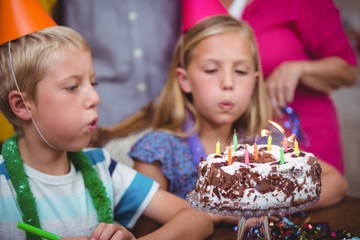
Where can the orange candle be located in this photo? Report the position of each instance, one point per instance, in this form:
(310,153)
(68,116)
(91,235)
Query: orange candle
(229,155)
(256,154)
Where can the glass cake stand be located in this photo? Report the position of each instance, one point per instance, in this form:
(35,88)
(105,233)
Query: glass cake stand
(193,199)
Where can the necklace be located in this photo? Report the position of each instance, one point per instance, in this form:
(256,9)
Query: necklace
(25,198)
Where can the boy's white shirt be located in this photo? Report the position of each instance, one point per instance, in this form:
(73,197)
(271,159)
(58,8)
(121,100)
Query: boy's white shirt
(62,197)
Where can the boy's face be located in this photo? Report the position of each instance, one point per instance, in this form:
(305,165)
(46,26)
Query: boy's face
(66,105)
(221,78)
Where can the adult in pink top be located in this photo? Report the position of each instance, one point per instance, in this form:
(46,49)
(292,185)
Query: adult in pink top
(305,54)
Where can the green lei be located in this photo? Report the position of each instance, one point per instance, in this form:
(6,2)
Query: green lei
(25,198)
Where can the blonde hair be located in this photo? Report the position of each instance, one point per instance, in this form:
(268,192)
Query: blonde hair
(173,104)
(31,57)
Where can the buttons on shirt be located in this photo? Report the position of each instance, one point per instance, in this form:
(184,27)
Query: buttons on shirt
(132,16)
(141,87)
(138,53)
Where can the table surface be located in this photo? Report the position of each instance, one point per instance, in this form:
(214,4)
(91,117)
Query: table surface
(344,215)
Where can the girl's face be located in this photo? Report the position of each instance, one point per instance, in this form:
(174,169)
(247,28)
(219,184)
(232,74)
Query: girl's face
(221,78)
(66,101)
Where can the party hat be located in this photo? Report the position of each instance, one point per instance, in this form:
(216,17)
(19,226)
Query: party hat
(193,11)
(21,17)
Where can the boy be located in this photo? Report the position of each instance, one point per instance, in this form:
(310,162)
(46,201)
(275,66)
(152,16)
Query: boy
(46,180)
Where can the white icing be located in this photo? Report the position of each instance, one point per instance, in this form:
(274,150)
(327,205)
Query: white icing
(295,169)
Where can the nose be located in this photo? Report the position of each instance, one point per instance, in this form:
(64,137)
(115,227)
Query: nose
(93,98)
(227,82)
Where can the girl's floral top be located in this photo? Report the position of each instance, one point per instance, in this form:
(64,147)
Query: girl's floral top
(174,155)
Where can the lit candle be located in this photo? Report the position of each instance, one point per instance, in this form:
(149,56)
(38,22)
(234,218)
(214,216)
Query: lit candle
(285,144)
(296,145)
(281,156)
(246,155)
(229,155)
(256,154)
(217,147)
(235,141)
(269,142)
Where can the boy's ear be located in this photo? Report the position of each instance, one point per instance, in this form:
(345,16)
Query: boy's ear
(18,106)
(183,80)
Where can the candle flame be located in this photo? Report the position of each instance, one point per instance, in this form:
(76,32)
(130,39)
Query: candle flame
(277,126)
(265,133)
(291,138)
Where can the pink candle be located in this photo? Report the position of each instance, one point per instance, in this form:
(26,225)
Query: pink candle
(285,144)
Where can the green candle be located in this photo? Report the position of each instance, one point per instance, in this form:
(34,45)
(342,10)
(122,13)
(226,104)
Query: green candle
(38,231)
(281,156)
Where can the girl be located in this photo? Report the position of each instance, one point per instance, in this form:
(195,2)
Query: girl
(215,86)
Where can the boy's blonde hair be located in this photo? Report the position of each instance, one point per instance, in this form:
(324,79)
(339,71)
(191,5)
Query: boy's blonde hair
(173,104)
(31,57)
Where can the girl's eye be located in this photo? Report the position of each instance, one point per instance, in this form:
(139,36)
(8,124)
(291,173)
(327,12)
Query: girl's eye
(72,87)
(241,72)
(94,84)
(210,71)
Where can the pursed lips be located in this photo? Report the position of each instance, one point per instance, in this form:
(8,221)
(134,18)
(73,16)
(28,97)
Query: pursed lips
(93,125)
(226,105)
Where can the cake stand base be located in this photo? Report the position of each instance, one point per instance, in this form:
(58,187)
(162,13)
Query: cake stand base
(244,214)
(241,228)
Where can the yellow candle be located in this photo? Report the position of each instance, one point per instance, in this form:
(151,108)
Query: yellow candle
(229,155)
(296,145)
(256,154)
(218,147)
(269,142)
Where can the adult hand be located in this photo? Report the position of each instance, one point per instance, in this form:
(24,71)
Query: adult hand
(282,82)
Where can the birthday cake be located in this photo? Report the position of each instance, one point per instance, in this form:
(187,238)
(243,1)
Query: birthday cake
(258,179)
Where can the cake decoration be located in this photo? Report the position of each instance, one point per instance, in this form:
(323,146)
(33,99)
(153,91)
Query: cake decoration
(259,179)
(262,184)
